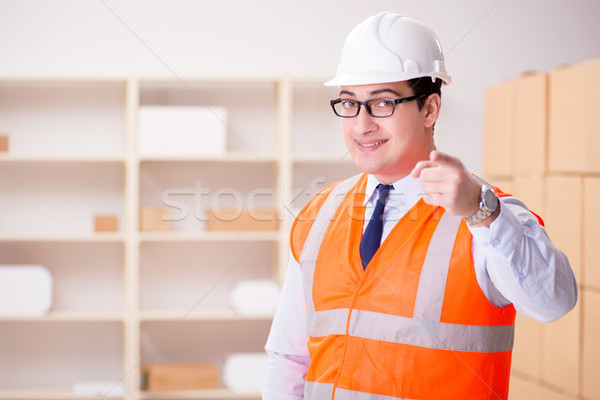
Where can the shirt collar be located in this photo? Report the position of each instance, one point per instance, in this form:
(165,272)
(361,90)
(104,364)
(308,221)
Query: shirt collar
(408,188)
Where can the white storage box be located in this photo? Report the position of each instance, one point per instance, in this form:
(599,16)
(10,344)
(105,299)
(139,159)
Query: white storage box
(25,290)
(182,131)
(257,296)
(99,389)
(245,371)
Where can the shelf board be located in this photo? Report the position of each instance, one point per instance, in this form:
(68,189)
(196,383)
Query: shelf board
(222,236)
(213,80)
(67,316)
(225,158)
(47,394)
(32,159)
(225,315)
(201,394)
(306,159)
(108,237)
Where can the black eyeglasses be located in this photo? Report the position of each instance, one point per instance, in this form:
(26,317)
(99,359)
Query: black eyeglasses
(379,108)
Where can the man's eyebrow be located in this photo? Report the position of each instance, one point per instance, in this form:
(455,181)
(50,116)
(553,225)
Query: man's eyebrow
(379,91)
(373,93)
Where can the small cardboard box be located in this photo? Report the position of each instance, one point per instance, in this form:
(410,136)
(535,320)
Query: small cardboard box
(531,123)
(106,223)
(182,130)
(573,129)
(242,220)
(498,135)
(3,143)
(179,376)
(155,219)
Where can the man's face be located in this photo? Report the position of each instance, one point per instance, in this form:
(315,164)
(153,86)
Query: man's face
(387,147)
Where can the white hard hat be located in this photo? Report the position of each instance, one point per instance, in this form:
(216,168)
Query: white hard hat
(389,47)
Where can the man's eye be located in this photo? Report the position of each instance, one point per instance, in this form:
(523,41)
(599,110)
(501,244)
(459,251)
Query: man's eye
(384,103)
(349,104)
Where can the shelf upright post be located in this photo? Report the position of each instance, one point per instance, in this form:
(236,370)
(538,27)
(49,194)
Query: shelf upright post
(284,184)
(132,245)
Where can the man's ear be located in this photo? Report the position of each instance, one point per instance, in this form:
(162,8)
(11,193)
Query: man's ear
(431,109)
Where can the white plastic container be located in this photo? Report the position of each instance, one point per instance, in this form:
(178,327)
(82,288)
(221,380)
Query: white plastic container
(256,296)
(182,131)
(25,290)
(245,372)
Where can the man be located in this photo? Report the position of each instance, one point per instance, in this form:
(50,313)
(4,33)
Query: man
(404,281)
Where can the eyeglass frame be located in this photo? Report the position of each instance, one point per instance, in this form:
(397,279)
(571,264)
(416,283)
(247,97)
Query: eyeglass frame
(364,103)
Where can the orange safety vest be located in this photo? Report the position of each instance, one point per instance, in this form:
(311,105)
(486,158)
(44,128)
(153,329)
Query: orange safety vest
(413,325)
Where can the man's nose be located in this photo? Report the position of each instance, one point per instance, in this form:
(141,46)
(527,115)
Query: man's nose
(364,122)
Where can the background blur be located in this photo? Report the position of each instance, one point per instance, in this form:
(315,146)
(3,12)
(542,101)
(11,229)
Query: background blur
(131,293)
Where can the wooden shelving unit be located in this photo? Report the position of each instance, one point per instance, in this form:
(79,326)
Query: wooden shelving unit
(129,297)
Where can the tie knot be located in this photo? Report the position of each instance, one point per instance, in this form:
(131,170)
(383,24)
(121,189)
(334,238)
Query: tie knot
(383,191)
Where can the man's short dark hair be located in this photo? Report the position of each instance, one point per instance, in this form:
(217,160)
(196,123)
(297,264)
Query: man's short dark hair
(425,86)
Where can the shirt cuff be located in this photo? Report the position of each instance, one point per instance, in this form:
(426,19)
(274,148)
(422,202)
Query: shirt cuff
(502,234)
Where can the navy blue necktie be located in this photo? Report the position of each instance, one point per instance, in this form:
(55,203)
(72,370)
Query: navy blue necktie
(372,237)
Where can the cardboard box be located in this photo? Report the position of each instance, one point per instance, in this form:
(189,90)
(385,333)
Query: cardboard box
(498,137)
(3,143)
(524,389)
(591,350)
(173,377)
(591,227)
(242,220)
(551,393)
(531,123)
(106,223)
(563,217)
(574,132)
(527,351)
(182,131)
(155,219)
(504,184)
(532,191)
(562,352)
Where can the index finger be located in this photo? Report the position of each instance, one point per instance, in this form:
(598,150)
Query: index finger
(444,159)
(420,166)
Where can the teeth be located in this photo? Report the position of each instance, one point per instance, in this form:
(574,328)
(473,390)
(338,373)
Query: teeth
(373,144)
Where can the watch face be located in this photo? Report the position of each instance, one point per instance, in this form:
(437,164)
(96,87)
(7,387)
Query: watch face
(490,200)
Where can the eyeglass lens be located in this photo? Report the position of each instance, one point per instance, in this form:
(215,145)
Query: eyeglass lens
(375,107)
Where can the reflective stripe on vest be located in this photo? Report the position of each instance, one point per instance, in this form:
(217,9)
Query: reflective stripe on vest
(397,329)
(316,390)
(308,258)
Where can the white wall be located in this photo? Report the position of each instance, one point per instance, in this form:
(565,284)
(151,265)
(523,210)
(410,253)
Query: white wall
(485,41)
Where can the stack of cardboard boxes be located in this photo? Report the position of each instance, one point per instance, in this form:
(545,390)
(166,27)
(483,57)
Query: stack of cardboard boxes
(542,144)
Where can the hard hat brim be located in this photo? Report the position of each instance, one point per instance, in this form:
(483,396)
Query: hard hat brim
(373,78)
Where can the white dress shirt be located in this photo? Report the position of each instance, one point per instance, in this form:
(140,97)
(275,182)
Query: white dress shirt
(515,262)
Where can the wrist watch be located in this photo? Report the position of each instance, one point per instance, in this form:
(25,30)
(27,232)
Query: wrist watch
(488,202)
